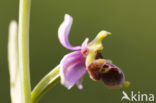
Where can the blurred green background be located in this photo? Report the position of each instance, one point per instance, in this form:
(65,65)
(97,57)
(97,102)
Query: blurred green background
(132,45)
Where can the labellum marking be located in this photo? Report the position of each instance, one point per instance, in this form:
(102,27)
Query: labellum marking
(101,69)
(113,77)
(94,69)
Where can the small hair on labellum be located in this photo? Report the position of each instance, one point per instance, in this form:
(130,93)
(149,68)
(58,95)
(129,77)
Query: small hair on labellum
(110,74)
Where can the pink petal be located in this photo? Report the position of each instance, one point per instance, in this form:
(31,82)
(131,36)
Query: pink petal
(85,43)
(84,49)
(72,69)
(63,33)
(79,84)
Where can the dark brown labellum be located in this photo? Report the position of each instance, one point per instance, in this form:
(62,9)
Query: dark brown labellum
(110,74)
(94,69)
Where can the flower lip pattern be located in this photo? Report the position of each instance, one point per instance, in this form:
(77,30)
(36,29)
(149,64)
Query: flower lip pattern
(86,57)
(112,76)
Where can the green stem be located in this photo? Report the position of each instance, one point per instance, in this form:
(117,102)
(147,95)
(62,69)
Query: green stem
(49,81)
(24,15)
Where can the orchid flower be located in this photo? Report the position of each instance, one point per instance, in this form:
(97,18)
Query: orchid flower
(84,58)
(71,69)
